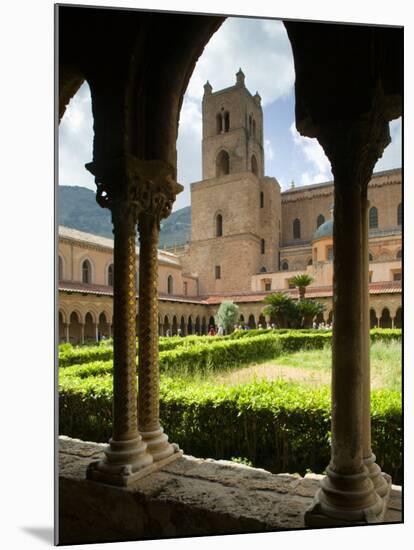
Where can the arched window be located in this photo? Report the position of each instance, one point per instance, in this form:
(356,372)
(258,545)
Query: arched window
(219,225)
(399,214)
(285,266)
(373,218)
(320,220)
(218,123)
(170,284)
(261,199)
(296,228)
(262,246)
(86,272)
(111,275)
(254,128)
(370,257)
(263,270)
(310,261)
(222,163)
(250,125)
(226,121)
(399,254)
(254,165)
(60,268)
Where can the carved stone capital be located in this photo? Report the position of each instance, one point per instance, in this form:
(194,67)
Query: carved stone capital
(128,186)
(354,146)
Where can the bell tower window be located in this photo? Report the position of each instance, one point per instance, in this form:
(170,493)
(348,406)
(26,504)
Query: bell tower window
(222,164)
(219,225)
(226,121)
(254,165)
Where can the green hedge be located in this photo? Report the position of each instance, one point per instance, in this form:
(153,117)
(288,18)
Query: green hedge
(201,353)
(276,425)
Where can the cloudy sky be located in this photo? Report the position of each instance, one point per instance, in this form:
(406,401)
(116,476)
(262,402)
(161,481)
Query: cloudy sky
(258,47)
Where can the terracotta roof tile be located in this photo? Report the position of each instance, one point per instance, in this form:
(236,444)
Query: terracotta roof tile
(386,287)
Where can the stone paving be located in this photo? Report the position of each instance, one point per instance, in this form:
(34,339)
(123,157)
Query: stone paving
(189,497)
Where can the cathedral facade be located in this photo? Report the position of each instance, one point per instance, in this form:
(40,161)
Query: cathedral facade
(248,238)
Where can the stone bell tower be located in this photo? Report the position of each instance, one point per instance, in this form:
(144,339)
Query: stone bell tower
(232,126)
(235,208)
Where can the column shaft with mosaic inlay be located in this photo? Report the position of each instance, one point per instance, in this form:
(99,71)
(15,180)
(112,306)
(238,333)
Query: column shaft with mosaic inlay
(126,458)
(158,191)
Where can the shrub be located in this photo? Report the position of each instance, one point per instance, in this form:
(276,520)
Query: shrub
(275,425)
(291,340)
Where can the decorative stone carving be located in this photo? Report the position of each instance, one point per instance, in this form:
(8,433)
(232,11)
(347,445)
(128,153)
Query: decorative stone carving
(126,458)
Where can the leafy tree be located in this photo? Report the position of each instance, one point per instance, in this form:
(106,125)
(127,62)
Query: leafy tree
(301,282)
(227,315)
(281,308)
(308,310)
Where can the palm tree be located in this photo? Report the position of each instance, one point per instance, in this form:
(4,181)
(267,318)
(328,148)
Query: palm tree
(301,282)
(281,308)
(308,310)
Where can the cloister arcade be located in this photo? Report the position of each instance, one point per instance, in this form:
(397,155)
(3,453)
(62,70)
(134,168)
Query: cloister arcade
(79,322)
(134,164)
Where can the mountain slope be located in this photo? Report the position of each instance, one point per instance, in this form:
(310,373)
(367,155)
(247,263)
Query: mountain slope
(78,209)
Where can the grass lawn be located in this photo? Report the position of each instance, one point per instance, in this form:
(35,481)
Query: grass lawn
(313,368)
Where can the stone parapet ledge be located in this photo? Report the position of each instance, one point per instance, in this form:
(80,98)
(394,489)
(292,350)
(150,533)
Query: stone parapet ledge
(189,497)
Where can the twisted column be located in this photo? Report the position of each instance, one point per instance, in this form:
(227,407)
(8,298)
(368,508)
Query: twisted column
(382,482)
(159,189)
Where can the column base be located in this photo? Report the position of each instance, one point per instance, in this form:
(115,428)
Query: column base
(382,481)
(124,463)
(345,500)
(158,445)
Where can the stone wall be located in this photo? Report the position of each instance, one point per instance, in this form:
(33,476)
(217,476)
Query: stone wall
(189,497)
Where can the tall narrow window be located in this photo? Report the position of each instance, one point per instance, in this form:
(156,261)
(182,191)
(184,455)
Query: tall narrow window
(226,121)
(86,272)
(60,268)
(399,214)
(370,257)
(111,275)
(222,163)
(261,199)
(329,253)
(373,218)
(296,228)
(320,220)
(399,254)
(262,246)
(218,272)
(185,288)
(218,123)
(285,266)
(254,165)
(170,284)
(219,225)
(254,128)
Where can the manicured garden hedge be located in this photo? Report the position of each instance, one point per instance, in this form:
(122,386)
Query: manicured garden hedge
(290,340)
(278,426)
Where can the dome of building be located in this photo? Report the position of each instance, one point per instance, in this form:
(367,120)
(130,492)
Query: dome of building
(325,230)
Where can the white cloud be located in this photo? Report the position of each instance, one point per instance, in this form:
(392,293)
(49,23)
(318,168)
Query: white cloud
(76,140)
(392,154)
(268,150)
(320,167)
(259,47)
